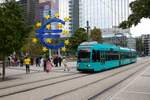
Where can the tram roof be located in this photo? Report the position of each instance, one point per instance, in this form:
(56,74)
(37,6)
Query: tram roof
(104,46)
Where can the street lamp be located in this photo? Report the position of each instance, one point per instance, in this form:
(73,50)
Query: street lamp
(88,30)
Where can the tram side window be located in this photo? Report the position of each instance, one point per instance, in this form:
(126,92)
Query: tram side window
(94,56)
(98,55)
(113,55)
(102,56)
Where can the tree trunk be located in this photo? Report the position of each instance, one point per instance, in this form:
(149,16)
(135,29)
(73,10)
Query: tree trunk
(3,74)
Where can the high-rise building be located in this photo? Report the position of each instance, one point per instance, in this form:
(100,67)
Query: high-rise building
(103,14)
(29,9)
(74,15)
(44,8)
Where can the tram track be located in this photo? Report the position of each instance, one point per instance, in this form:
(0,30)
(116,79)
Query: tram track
(86,85)
(26,83)
(61,76)
(44,85)
(113,85)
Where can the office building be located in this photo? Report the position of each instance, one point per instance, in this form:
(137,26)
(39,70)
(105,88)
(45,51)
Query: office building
(29,10)
(74,15)
(103,14)
(146,40)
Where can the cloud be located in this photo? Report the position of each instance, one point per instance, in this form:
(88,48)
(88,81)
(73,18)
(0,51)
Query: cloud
(141,28)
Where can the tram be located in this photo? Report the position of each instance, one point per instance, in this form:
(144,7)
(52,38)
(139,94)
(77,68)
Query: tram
(93,56)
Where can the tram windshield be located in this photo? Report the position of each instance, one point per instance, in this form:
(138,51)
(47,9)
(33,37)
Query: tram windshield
(84,56)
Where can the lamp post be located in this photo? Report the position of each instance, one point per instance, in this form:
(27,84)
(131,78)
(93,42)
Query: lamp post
(88,30)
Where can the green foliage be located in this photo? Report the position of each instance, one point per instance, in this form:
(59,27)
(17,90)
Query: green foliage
(96,35)
(13,29)
(78,37)
(140,9)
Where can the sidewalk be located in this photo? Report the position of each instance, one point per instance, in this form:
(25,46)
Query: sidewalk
(137,89)
(17,70)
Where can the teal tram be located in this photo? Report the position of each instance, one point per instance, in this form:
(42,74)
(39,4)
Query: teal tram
(97,57)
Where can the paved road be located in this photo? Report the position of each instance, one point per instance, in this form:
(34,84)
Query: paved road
(124,83)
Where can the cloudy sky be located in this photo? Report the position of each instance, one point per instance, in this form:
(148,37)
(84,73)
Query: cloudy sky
(141,28)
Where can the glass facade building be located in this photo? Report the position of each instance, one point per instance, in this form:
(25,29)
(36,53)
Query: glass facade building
(29,9)
(74,15)
(103,13)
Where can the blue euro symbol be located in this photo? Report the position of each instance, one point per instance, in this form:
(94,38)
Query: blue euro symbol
(43,33)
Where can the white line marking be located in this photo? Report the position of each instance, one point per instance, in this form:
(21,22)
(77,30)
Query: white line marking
(135,92)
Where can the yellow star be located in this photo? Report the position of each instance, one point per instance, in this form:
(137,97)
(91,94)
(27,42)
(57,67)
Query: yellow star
(48,26)
(48,40)
(65,32)
(59,25)
(34,40)
(66,19)
(44,49)
(47,17)
(56,14)
(63,49)
(66,42)
(38,25)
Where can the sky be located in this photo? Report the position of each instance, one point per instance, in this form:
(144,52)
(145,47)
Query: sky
(141,28)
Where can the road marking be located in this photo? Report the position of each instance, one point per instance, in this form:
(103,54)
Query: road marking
(135,92)
(121,90)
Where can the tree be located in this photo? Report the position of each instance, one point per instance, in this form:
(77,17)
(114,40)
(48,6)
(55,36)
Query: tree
(13,29)
(96,35)
(140,9)
(34,48)
(78,37)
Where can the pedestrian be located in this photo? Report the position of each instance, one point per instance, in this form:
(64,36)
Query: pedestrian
(59,61)
(65,64)
(44,65)
(55,60)
(9,60)
(32,61)
(37,61)
(27,62)
(21,62)
(49,65)
(41,62)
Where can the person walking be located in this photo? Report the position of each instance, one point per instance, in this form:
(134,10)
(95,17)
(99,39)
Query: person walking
(59,61)
(27,62)
(21,62)
(55,60)
(42,62)
(45,65)
(49,65)
(65,64)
